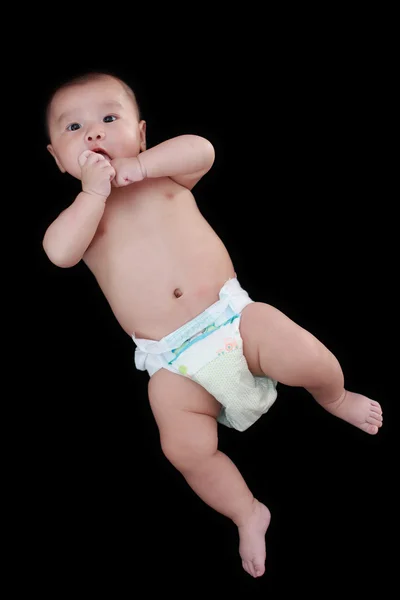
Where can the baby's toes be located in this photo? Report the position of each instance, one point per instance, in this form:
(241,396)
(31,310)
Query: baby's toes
(377,413)
(250,568)
(372,420)
(372,429)
(259,570)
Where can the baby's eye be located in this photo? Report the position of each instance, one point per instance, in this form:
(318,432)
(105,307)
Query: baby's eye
(73,127)
(109,118)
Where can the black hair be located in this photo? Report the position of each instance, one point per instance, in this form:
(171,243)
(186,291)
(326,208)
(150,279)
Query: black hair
(86,77)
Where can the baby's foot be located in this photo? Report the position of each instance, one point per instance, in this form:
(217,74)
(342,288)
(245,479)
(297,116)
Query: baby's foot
(357,410)
(252,539)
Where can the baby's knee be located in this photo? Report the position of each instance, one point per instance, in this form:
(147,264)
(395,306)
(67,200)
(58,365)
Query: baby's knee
(187,450)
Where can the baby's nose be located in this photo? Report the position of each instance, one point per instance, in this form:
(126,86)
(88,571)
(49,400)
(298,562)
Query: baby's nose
(95,134)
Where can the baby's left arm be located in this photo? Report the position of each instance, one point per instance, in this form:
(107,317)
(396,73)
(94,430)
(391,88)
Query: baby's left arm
(186,159)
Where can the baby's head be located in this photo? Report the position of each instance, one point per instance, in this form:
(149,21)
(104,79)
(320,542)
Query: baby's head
(96,112)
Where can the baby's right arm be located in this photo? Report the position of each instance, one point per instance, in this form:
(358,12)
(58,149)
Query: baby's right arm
(68,237)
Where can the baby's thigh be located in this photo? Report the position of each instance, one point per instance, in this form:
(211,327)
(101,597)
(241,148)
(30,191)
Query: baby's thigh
(250,324)
(186,415)
(275,345)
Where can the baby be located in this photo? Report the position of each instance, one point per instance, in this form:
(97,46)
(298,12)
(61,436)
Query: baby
(213,354)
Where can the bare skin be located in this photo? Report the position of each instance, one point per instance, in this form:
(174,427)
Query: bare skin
(160,264)
(186,415)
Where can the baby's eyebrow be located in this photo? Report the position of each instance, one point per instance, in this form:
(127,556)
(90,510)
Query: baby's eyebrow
(113,104)
(106,106)
(64,116)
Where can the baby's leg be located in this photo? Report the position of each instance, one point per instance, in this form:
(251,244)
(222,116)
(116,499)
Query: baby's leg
(186,417)
(276,346)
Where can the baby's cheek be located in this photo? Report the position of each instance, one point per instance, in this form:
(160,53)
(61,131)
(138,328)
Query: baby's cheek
(75,170)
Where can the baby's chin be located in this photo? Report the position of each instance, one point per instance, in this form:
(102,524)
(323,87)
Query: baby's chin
(75,174)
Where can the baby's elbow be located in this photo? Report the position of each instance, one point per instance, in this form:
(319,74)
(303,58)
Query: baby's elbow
(57,257)
(65,263)
(202,149)
(208,152)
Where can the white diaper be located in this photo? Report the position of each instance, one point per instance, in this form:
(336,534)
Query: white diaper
(209,350)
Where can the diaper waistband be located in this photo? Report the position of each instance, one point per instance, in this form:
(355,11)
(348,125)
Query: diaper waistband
(232,301)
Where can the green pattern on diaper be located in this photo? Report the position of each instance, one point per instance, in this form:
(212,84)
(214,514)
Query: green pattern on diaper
(199,336)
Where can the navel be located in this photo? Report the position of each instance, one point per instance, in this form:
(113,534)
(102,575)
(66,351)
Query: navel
(177,293)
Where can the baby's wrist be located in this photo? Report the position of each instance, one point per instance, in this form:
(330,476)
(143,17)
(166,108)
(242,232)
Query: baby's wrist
(141,167)
(94,194)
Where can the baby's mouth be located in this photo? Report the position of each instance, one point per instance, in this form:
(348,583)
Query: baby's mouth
(102,153)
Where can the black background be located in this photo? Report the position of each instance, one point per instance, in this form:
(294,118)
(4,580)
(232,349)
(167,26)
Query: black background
(300,120)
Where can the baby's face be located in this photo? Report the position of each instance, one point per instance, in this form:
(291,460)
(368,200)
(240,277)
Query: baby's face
(99,115)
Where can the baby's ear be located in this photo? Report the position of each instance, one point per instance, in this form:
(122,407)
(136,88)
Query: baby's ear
(59,165)
(142,129)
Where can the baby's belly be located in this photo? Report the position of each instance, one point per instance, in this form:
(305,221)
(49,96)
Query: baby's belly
(154,293)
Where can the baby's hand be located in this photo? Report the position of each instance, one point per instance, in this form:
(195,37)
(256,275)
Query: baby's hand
(97,173)
(128,170)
